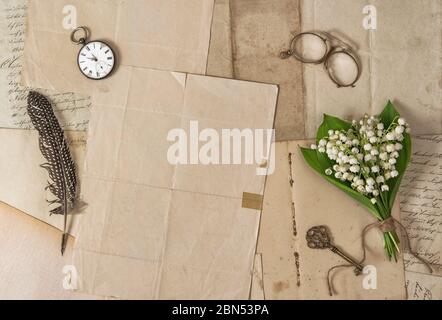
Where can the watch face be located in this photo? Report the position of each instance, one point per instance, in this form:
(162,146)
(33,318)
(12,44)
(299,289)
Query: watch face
(96,60)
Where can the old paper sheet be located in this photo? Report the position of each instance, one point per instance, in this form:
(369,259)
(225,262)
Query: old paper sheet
(71,109)
(246,39)
(23,181)
(400,61)
(157,230)
(421,200)
(31,266)
(161,34)
(220,58)
(423,286)
(260,30)
(257,288)
(276,241)
(291,270)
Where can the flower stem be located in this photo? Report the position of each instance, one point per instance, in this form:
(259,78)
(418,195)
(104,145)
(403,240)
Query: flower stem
(391,244)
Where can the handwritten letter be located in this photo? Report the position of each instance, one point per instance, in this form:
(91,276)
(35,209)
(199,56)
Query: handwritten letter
(71,109)
(421,213)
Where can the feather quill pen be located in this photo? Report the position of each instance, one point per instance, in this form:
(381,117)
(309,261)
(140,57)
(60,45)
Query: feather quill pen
(59,164)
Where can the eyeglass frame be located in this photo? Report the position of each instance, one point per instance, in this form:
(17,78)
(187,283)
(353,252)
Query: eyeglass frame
(330,51)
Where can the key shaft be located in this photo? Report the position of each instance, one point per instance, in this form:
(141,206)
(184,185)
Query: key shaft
(347,258)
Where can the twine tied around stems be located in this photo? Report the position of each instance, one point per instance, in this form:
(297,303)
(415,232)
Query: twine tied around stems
(387,225)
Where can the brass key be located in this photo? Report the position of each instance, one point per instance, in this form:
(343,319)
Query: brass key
(318,238)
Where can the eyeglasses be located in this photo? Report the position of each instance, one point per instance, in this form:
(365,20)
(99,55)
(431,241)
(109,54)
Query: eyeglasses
(339,59)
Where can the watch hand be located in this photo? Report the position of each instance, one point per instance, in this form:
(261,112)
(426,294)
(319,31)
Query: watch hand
(94,58)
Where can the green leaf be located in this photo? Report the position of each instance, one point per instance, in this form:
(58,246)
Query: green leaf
(331,123)
(388,115)
(324,161)
(322,131)
(312,157)
(320,162)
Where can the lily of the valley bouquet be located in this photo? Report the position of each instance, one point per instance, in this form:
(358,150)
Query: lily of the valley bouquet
(366,159)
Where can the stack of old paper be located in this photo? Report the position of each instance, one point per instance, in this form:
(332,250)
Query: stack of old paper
(180,231)
(31,266)
(159,230)
(73,110)
(168,35)
(21,183)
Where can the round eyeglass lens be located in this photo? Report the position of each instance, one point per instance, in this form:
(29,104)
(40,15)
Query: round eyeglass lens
(342,68)
(309,47)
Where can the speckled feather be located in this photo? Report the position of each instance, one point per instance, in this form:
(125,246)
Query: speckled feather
(60,166)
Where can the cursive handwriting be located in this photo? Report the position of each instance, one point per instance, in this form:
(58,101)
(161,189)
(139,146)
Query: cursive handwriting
(71,109)
(421,201)
(418,291)
(423,286)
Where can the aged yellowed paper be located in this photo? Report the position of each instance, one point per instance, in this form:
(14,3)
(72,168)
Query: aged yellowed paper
(162,230)
(400,61)
(23,181)
(277,236)
(71,109)
(261,29)
(188,39)
(257,287)
(246,39)
(161,34)
(31,266)
(421,201)
(423,286)
(220,57)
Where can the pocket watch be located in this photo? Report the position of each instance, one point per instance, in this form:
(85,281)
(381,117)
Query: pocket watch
(96,59)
